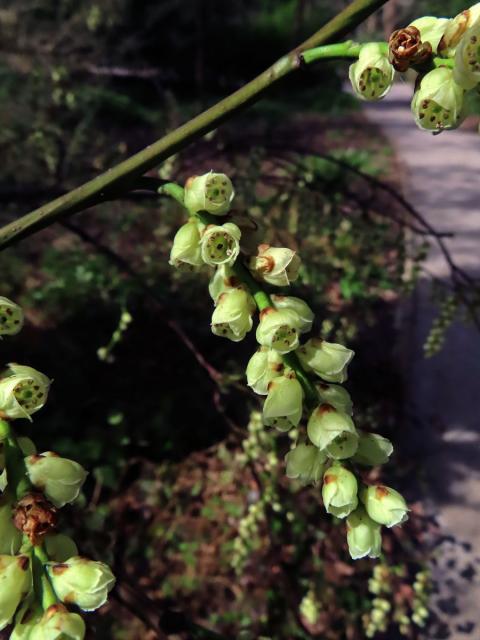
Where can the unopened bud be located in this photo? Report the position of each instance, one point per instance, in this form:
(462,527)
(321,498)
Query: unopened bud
(363,535)
(431,30)
(211,192)
(437,102)
(333,432)
(16,581)
(373,449)
(186,250)
(284,403)
(372,75)
(11,317)
(384,505)
(339,491)
(337,396)
(298,306)
(279,329)
(81,582)
(276,266)
(57,623)
(60,479)
(223,280)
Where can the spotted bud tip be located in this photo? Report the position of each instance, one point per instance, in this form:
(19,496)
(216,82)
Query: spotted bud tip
(276,266)
(333,432)
(220,245)
(305,463)
(372,75)
(211,192)
(186,251)
(384,505)
(363,535)
(279,329)
(336,396)
(339,491)
(223,280)
(232,317)
(16,581)
(57,623)
(438,100)
(466,71)
(23,391)
(264,366)
(284,403)
(11,317)
(327,360)
(59,479)
(298,306)
(82,582)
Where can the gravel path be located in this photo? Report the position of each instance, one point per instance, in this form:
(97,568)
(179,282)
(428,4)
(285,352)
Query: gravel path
(444,391)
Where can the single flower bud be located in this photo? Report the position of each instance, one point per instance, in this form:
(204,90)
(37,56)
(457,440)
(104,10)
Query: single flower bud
(10,536)
(82,582)
(339,491)
(57,623)
(337,396)
(11,317)
(276,266)
(431,30)
(232,317)
(223,280)
(23,391)
(372,75)
(456,29)
(212,192)
(265,365)
(305,463)
(466,71)
(373,449)
(60,547)
(186,250)
(437,102)
(327,359)
(221,244)
(283,406)
(333,432)
(16,581)
(59,479)
(279,329)
(363,535)
(384,505)
(297,305)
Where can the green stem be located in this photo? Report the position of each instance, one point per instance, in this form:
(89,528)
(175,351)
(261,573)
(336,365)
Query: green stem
(44,592)
(347,49)
(101,187)
(18,481)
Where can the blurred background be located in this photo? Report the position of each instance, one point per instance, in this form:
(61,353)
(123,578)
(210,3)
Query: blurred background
(187,496)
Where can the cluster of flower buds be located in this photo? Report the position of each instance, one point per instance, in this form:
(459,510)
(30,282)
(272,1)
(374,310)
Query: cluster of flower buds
(295,377)
(441,96)
(40,570)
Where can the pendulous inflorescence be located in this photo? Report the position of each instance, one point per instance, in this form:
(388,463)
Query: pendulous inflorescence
(300,380)
(41,571)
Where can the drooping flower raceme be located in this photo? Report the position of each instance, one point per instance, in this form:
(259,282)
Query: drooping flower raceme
(305,463)
(186,250)
(363,535)
(23,391)
(384,505)
(276,266)
(339,491)
(82,582)
(232,317)
(284,403)
(333,432)
(372,74)
(211,192)
(15,580)
(437,102)
(327,359)
(59,479)
(265,365)
(11,317)
(466,71)
(220,244)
